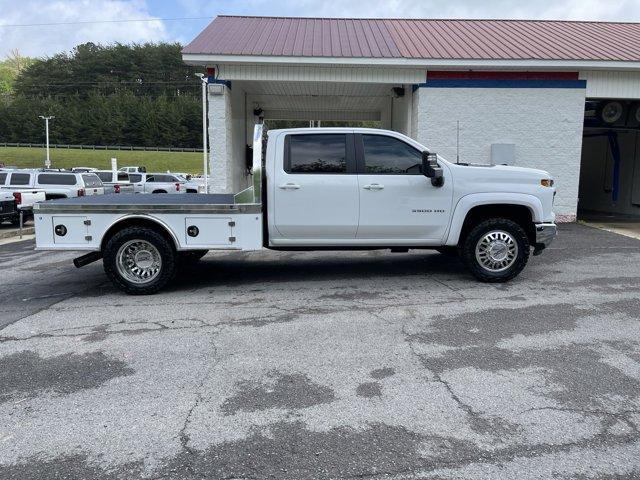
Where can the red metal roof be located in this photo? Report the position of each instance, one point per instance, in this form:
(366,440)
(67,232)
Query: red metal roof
(419,39)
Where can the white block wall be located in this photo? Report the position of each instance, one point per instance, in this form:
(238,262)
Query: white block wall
(227,141)
(220,142)
(544,124)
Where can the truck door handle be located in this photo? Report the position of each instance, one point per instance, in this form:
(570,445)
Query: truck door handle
(289,186)
(374,186)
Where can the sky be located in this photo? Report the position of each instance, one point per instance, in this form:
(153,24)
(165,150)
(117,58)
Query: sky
(46,40)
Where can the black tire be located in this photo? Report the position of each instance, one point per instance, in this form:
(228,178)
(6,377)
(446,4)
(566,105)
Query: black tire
(164,247)
(191,257)
(468,250)
(449,251)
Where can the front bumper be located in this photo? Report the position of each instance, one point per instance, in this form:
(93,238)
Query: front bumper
(545,233)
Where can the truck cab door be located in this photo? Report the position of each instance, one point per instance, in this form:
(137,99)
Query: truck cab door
(397,202)
(315,188)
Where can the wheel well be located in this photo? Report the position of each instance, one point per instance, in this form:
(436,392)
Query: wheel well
(159,191)
(137,222)
(517,213)
(54,196)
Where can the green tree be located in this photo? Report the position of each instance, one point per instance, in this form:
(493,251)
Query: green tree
(138,95)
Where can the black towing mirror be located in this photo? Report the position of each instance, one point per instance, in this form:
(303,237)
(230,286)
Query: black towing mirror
(431,168)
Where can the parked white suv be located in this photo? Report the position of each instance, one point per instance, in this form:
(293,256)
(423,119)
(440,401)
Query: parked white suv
(55,183)
(157,183)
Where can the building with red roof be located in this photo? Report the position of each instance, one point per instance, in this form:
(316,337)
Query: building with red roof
(558,95)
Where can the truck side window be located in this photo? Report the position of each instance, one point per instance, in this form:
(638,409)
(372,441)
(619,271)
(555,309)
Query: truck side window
(105,176)
(390,156)
(19,179)
(134,177)
(123,177)
(317,153)
(56,179)
(3,177)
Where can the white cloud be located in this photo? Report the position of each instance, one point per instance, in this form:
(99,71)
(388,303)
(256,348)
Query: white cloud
(48,40)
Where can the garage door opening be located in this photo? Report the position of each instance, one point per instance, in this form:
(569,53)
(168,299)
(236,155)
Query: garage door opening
(609,192)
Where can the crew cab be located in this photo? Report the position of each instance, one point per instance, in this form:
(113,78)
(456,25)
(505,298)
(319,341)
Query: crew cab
(115,182)
(55,183)
(322,188)
(157,183)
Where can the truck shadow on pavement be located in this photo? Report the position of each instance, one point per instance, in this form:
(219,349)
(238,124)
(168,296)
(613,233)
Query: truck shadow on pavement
(237,269)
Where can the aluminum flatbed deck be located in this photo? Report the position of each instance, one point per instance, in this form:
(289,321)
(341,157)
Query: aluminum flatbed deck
(139,203)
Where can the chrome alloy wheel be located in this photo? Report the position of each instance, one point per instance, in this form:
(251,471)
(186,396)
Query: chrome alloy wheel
(496,251)
(138,261)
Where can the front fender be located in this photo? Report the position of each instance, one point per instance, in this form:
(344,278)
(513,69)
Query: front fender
(466,203)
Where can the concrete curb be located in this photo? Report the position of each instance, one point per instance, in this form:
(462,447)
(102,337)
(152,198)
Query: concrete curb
(15,232)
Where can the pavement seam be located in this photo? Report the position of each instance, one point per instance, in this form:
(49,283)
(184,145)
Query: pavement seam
(183,436)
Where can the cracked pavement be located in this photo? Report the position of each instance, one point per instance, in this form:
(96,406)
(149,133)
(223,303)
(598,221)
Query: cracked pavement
(318,365)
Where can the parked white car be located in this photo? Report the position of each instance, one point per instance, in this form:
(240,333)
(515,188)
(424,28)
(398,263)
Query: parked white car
(55,183)
(157,183)
(325,188)
(115,182)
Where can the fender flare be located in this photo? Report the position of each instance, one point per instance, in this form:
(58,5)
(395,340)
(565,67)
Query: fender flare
(466,203)
(150,218)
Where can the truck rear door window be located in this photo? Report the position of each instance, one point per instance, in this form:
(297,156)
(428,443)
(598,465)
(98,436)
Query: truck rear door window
(123,177)
(317,153)
(91,180)
(3,177)
(135,177)
(56,179)
(390,156)
(19,179)
(105,176)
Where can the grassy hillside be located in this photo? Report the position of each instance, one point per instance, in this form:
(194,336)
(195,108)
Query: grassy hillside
(189,162)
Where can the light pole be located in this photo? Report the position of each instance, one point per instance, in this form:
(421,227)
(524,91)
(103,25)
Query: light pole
(47,162)
(205,158)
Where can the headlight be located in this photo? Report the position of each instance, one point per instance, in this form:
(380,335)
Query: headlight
(546,182)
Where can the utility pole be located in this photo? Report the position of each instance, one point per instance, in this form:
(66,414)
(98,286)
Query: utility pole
(205,157)
(47,162)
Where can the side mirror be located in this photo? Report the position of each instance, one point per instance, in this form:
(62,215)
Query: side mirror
(431,169)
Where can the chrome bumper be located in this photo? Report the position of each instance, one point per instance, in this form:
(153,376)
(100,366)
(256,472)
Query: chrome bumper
(545,233)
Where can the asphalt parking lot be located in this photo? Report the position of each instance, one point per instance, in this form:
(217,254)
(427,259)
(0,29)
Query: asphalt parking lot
(325,365)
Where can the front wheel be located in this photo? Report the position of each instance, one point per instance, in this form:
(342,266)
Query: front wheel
(496,250)
(139,261)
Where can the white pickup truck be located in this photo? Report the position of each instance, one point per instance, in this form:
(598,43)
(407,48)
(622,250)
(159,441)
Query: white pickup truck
(322,189)
(115,182)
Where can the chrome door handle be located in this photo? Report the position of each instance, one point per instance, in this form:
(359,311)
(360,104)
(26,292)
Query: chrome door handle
(374,186)
(289,186)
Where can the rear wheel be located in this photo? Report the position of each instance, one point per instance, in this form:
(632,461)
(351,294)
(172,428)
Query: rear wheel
(139,261)
(496,250)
